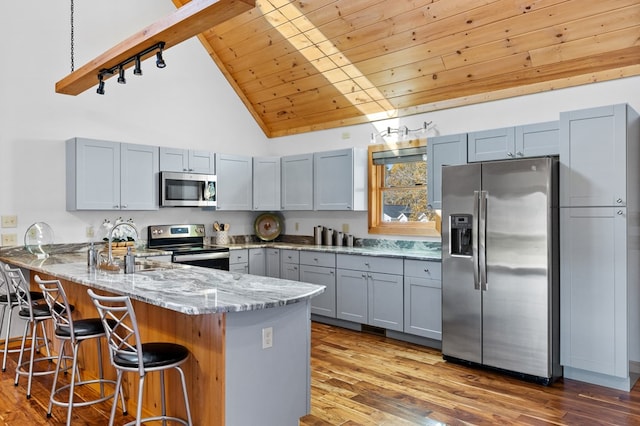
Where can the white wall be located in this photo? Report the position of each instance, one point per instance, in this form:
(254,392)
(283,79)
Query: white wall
(187,104)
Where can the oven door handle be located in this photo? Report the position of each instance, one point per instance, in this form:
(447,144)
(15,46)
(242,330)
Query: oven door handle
(178,258)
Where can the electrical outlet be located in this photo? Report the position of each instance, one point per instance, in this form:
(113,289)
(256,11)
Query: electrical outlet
(267,337)
(9,240)
(9,221)
(90,232)
(297,226)
(345,228)
(346,135)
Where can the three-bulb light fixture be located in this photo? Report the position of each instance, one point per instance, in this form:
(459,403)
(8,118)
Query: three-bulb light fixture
(137,70)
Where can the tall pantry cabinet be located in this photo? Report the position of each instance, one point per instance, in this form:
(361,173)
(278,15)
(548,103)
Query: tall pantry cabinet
(599,245)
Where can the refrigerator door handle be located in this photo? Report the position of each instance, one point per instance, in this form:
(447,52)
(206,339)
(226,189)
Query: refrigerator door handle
(482,241)
(474,239)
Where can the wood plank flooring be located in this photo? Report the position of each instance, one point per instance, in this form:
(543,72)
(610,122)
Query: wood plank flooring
(365,379)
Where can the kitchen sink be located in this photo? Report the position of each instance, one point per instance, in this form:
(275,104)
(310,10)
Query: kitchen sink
(151,265)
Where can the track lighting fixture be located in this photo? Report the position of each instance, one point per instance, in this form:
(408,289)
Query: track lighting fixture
(121,78)
(138,69)
(402,132)
(159,61)
(100,90)
(120,68)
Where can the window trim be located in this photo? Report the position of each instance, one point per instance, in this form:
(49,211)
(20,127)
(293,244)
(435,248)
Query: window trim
(375,182)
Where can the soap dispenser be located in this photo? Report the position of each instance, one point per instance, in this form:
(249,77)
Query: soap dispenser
(129,262)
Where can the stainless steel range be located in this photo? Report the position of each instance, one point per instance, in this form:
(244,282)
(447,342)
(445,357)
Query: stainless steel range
(188,246)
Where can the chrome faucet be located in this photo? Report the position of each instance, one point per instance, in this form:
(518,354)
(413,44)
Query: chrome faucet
(110,236)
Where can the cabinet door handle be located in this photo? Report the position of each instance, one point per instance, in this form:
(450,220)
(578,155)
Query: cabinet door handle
(509,154)
(519,154)
(619,201)
(619,212)
(116,206)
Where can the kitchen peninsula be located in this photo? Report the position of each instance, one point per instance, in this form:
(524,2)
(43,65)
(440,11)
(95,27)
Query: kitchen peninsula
(234,376)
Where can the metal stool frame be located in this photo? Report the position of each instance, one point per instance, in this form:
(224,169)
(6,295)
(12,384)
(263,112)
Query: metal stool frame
(74,332)
(128,353)
(9,300)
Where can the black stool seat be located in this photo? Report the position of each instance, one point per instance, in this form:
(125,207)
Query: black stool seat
(40,310)
(82,328)
(154,355)
(35,295)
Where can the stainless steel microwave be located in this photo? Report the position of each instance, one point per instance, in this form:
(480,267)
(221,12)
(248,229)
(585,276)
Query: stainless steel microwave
(187,190)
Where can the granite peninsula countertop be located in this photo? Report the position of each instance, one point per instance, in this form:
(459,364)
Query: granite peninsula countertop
(187,289)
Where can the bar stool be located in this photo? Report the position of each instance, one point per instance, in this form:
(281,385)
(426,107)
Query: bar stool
(128,353)
(9,300)
(75,332)
(33,314)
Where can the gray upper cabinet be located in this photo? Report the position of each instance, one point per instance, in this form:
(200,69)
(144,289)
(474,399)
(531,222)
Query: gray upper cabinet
(297,182)
(106,175)
(340,179)
(593,152)
(532,140)
(494,144)
(443,151)
(235,182)
(537,140)
(186,160)
(266,183)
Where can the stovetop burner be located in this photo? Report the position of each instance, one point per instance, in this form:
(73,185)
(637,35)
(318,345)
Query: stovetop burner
(180,238)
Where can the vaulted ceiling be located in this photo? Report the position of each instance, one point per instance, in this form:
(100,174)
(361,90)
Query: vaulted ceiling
(307,65)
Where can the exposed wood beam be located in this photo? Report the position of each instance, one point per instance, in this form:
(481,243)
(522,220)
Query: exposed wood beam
(187,21)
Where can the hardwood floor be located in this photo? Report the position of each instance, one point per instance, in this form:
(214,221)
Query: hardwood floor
(365,379)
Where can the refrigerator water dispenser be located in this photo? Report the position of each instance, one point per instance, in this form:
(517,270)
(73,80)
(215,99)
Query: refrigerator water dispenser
(461,229)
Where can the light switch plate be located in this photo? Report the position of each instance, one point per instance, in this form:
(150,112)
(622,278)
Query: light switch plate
(9,240)
(9,221)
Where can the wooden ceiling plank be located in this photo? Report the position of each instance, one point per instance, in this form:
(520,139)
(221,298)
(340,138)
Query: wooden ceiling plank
(184,23)
(556,34)
(591,46)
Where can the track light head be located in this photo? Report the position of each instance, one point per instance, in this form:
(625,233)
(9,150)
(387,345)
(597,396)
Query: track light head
(100,89)
(159,61)
(121,78)
(137,70)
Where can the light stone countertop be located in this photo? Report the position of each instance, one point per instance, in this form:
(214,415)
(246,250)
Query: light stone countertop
(187,289)
(381,251)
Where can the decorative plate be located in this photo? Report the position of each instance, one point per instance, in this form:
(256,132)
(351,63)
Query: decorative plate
(268,226)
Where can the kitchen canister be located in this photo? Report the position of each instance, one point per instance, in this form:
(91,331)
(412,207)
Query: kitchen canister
(348,240)
(327,236)
(317,235)
(338,237)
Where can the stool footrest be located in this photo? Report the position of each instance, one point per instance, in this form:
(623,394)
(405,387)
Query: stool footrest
(101,398)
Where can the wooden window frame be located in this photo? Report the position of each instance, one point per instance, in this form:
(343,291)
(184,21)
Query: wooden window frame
(376,182)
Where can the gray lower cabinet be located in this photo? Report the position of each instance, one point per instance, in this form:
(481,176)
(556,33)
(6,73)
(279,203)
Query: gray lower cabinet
(272,262)
(320,268)
(423,298)
(369,290)
(290,264)
(443,151)
(239,261)
(257,261)
(594,293)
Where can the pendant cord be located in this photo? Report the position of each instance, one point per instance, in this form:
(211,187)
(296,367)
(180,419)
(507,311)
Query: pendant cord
(72,36)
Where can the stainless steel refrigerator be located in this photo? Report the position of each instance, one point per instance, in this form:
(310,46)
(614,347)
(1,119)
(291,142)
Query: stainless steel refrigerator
(500,266)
